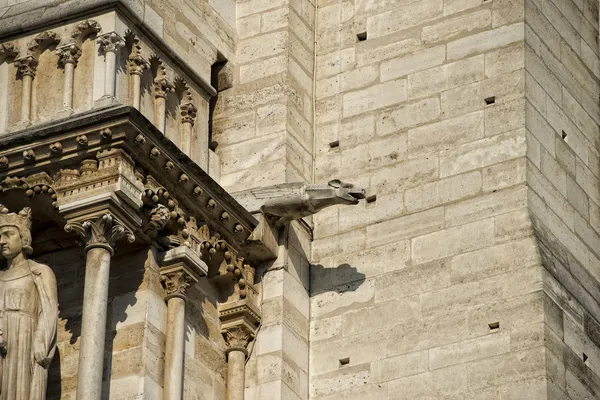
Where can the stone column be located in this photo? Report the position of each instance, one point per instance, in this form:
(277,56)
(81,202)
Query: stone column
(110,43)
(181,267)
(161,88)
(239,324)
(68,56)
(188,117)
(100,235)
(26,67)
(136,65)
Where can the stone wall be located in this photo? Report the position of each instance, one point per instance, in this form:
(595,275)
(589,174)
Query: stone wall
(433,288)
(563,171)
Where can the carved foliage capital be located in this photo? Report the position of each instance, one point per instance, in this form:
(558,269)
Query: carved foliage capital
(85,28)
(26,66)
(68,54)
(162,87)
(237,337)
(176,282)
(111,42)
(135,62)
(103,231)
(188,113)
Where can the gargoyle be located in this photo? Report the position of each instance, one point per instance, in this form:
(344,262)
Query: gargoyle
(290,201)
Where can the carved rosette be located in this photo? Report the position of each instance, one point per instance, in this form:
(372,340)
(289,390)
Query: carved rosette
(68,54)
(103,231)
(176,283)
(110,42)
(188,113)
(238,338)
(26,66)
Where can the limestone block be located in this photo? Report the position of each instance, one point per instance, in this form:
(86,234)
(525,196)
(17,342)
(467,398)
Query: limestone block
(399,366)
(327,328)
(504,175)
(494,260)
(579,70)
(512,226)
(453,241)
(295,349)
(403,17)
(482,153)
(405,227)
(441,384)
(505,12)
(506,368)
(335,62)
(534,148)
(362,349)
(469,350)
(535,94)
(407,116)
(247,7)
(542,27)
(337,300)
(590,59)
(587,234)
(367,392)
(356,131)
(504,116)
(554,172)
(402,66)
(347,379)
(412,280)
(588,181)
(406,175)
(267,148)
(374,97)
(566,157)
(528,336)
(263,68)
(486,206)
(443,191)
(578,198)
(381,49)
(444,77)
(581,118)
(347,242)
(576,140)
(544,189)
(380,316)
(266,45)
(450,28)
(270,339)
(445,134)
(485,41)
(455,6)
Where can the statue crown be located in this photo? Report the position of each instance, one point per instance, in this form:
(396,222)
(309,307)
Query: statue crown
(20,220)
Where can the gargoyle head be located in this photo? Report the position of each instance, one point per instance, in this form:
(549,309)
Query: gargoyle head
(347,192)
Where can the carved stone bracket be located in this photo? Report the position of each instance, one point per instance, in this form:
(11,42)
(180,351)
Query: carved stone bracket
(42,41)
(84,29)
(180,268)
(135,62)
(103,231)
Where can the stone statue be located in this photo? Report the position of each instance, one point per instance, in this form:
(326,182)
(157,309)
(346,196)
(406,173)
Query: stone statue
(28,312)
(290,201)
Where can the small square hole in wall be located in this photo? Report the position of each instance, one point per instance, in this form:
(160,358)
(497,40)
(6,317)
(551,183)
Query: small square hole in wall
(334,145)
(490,100)
(564,135)
(362,36)
(585,359)
(371,200)
(344,361)
(494,326)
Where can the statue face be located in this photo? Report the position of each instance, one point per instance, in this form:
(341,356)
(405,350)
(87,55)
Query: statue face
(11,243)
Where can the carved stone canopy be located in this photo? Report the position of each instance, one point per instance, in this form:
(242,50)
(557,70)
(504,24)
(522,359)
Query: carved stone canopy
(116,161)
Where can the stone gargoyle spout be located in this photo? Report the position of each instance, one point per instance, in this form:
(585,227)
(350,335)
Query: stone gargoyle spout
(290,201)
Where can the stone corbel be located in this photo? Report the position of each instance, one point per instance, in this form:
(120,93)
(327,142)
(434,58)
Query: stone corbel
(109,44)
(68,55)
(181,267)
(136,64)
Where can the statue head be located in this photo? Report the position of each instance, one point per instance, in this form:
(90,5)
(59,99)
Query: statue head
(15,232)
(347,192)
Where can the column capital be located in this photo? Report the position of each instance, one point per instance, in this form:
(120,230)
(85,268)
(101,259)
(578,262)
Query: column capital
(239,324)
(100,231)
(137,64)
(162,87)
(68,54)
(188,113)
(26,66)
(110,42)
(180,268)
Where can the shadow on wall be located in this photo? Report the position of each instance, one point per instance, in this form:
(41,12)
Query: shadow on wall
(340,279)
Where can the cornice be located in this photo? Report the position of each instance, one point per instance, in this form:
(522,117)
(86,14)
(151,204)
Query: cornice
(122,127)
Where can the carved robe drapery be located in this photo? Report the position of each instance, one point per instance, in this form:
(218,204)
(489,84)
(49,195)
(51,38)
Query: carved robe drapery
(29,312)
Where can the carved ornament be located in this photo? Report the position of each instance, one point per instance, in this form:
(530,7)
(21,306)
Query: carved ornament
(42,41)
(84,29)
(68,54)
(103,231)
(26,66)
(110,42)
